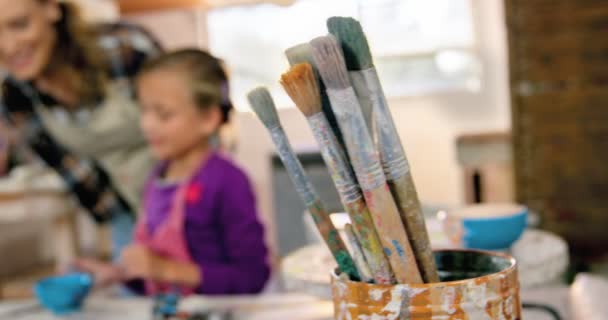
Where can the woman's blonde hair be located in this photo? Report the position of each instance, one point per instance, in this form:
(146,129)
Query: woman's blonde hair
(77,46)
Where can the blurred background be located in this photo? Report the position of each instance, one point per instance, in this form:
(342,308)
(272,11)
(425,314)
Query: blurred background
(495,101)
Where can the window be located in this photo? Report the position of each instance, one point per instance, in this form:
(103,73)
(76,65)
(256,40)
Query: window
(418,46)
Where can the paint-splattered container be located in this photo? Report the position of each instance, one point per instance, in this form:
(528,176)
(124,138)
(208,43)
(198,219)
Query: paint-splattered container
(476,285)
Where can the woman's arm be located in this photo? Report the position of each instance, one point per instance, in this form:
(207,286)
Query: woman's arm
(8,132)
(85,178)
(12,153)
(131,44)
(5,143)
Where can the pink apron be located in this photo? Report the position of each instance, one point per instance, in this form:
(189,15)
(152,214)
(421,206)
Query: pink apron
(169,239)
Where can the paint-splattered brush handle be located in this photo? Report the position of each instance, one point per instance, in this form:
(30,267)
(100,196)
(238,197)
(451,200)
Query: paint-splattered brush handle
(370,242)
(393,235)
(329,114)
(396,168)
(357,253)
(332,238)
(351,197)
(365,101)
(404,192)
(380,202)
(311,201)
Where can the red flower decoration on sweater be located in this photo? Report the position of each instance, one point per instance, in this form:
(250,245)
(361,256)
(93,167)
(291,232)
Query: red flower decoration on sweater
(194,192)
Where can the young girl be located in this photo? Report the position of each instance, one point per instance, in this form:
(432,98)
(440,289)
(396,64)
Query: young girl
(199,231)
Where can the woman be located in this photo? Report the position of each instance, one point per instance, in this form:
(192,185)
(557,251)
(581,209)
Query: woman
(66,91)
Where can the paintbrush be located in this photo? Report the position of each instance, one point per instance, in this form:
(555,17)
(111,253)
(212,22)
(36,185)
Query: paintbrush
(301,85)
(396,167)
(364,159)
(263,106)
(357,252)
(302,53)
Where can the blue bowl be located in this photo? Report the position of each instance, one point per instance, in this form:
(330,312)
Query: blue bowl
(63,294)
(496,232)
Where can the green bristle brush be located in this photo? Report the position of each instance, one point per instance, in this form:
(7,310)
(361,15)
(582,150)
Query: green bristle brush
(369,91)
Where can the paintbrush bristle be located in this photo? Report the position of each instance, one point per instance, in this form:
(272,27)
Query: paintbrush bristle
(262,104)
(330,62)
(303,53)
(350,34)
(299,54)
(301,85)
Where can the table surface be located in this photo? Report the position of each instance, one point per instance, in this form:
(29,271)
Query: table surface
(263,307)
(291,306)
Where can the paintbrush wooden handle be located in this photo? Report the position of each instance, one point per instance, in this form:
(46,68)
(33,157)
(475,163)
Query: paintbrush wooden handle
(357,253)
(365,101)
(370,242)
(352,198)
(396,168)
(392,234)
(404,192)
(293,166)
(371,178)
(331,237)
(311,200)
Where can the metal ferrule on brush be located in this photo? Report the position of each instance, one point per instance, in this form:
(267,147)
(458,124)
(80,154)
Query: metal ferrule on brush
(394,162)
(335,159)
(293,166)
(363,155)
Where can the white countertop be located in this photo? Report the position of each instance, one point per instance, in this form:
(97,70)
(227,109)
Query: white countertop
(264,307)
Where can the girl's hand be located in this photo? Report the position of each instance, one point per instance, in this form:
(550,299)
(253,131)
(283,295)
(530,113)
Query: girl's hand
(104,273)
(141,262)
